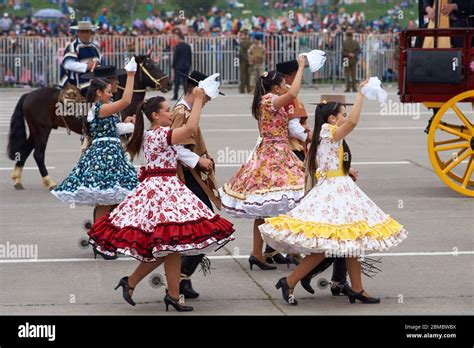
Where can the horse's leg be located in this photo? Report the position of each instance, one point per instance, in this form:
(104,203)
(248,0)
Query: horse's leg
(40,149)
(20,163)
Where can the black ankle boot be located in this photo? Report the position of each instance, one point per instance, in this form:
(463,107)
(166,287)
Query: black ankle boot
(337,289)
(273,256)
(186,288)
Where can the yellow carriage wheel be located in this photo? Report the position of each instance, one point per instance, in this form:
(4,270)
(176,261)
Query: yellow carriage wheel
(451,145)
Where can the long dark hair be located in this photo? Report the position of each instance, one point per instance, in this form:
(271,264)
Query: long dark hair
(323,111)
(264,85)
(96,85)
(146,107)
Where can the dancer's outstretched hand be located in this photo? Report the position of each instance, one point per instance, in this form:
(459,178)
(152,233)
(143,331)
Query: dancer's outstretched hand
(363,83)
(302,61)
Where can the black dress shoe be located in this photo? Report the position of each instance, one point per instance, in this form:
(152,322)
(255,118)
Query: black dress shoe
(186,288)
(353,296)
(285,291)
(263,266)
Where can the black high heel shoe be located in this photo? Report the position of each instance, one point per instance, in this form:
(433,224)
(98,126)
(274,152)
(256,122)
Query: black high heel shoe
(285,291)
(126,288)
(106,257)
(263,266)
(175,303)
(337,288)
(364,299)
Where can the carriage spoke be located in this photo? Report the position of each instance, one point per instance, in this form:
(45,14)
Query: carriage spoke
(450,141)
(454,132)
(456,162)
(451,147)
(448,162)
(468,173)
(462,117)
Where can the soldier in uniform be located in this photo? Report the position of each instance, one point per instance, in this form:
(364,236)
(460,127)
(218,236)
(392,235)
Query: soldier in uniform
(350,51)
(256,55)
(244,62)
(80,56)
(196,169)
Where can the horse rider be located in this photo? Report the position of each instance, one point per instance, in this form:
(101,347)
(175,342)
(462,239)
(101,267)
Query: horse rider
(80,56)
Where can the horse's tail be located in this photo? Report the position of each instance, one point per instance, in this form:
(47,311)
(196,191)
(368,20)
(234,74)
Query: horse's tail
(17,135)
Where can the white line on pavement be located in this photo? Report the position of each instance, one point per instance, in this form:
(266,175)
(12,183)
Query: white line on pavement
(228,257)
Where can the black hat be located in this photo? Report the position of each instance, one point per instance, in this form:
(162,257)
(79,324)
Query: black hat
(104,71)
(287,67)
(197,76)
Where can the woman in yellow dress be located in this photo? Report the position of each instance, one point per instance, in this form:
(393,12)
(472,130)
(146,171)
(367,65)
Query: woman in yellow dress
(335,218)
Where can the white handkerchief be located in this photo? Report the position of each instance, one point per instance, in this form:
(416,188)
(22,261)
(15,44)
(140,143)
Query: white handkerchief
(210,86)
(316,59)
(131,65)
(373,90)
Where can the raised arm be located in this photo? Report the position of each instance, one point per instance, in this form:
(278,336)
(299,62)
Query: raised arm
(353,118)
(292,93)
(182,133)
(119,105)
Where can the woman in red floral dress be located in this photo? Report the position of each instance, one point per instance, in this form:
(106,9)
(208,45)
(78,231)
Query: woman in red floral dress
(161,219)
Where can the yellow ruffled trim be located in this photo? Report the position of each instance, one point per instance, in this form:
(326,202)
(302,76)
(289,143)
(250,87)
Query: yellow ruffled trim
(353,231)
(241,196)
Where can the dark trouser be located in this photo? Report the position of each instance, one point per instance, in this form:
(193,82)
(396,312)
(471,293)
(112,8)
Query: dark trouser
(339,270)
(190,263)
(180,75)
(350,73)
(244,78)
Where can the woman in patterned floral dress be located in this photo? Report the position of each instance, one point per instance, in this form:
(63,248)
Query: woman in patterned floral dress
(104,175)
(162,218)
(335,218)
(272,180)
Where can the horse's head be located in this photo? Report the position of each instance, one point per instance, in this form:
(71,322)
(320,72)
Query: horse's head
(150,75)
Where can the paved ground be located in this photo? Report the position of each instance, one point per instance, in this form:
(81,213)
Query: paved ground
(430,273)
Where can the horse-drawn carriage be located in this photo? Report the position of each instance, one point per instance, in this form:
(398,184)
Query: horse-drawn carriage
(443,80)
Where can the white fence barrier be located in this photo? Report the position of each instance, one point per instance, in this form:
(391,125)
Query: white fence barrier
(35,60)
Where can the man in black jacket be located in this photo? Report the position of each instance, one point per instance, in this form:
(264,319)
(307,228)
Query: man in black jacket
(181,63)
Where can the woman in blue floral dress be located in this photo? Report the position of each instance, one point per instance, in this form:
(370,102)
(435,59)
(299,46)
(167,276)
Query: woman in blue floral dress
(104,175)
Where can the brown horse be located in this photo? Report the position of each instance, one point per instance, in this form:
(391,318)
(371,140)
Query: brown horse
(38,109)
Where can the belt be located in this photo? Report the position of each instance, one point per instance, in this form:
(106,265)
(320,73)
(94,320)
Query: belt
(144,173)
(328,174)
(106,139)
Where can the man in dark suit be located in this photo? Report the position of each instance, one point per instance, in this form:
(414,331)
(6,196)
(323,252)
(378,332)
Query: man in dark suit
(181,63)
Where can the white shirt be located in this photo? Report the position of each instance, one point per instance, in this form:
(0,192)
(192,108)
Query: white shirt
(185,155)
(296,130)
